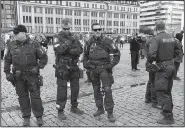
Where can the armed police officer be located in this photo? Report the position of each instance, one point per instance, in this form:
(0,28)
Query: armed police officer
(67,50)
(162,49)
(26,57)
(150,95)
(100,56)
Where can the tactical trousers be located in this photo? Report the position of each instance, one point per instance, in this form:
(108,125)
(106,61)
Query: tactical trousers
(163,86)
(177,65)
(107,81)
(24,86)
(134,59)
(62,89)
(150,89)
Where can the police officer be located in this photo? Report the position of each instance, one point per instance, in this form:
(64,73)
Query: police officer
(26,57)
(100,56)
(150,95)
(67,50)
(162,49)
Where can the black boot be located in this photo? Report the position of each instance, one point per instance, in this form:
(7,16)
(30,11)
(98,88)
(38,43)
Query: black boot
(156,105)
(61,115)
(26,122)
(76,111)
(39,121)
(99,112)
(168,119)
(111,117)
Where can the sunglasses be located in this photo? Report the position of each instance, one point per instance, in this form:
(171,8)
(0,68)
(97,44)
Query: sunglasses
(16,33)
(66,29)
(95,30)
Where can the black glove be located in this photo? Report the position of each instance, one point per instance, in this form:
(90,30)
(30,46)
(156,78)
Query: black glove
(68,43)
(9,77)
(35,70)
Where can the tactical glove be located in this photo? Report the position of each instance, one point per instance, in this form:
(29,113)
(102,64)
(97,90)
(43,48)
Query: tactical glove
(35,70)
(68,43)
(9,77)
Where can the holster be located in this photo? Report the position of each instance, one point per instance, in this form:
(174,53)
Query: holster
(61,71)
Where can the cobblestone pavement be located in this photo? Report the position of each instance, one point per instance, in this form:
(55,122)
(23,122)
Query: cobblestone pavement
(130,109)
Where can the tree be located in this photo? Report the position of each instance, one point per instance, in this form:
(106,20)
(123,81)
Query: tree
(146,30)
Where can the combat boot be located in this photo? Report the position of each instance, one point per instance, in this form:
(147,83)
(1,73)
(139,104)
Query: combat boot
(111,117)
(77,111)
(40,121)
(99,112)
(61,115)
(168,119)
(26,122)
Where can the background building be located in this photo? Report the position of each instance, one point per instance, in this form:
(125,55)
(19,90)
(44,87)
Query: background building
(8,15)
(168,11)
(45,16)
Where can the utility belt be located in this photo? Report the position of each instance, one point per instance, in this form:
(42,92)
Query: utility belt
(69,61)
(18,74)
(165,63)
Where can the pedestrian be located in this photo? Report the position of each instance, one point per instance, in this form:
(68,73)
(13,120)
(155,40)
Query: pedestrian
(2,42)
(27,58)
(134,50)
(150,95)
(162,49)
(67,50)
(121,43)
(100,56)
(142,46)
(178,59)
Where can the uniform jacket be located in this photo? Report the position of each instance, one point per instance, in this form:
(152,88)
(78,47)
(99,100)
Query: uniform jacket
(66,46)
(163,47)
(97,52)
(25,56)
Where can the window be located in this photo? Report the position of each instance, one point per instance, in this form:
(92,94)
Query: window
(35,19)
(116,15)
(100,6)
(51,20)
(92,5)
(69,3)
(29,19)
(87,5)
(23,19)
(75,4)
(78,4)
(84,5)
(95,5)
(66,3)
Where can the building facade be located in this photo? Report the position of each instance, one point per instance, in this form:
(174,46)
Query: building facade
(45,16)
(8,14)
(168,11)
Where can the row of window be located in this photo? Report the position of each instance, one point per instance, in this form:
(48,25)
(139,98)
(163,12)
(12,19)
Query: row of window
(76,12)
(49,20)
(5,25)
(49,29)
(87,5)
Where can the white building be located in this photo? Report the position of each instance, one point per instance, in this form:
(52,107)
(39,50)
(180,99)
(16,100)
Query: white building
(45,16)
(168,11)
